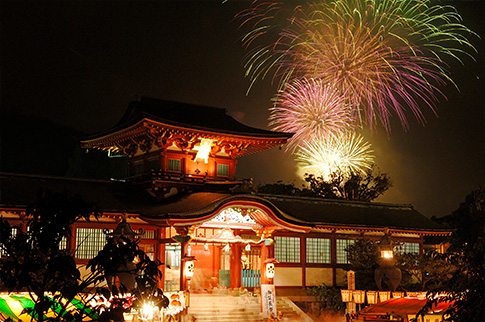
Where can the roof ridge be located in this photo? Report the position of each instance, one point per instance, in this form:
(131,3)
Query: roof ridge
(53,177)
(338,201)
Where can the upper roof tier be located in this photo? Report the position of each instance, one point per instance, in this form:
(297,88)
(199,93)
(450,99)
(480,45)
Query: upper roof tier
(151,121)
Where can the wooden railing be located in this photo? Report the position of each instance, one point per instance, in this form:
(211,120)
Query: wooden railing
(250,278)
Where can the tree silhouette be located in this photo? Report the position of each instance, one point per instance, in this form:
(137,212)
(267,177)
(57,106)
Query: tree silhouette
(466,286)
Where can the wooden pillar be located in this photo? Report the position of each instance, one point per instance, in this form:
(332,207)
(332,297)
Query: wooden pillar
(236,266)
(333,258)
(303,260)
(264,257)
(183,253)
(160,251)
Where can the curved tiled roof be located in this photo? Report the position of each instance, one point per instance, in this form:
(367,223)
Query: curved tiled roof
(20,190)
(186,115)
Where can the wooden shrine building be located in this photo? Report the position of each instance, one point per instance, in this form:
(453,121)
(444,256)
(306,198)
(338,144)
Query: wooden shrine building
(183,190)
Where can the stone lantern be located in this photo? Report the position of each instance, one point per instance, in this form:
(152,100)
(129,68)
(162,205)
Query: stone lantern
(386,273)
(126,273)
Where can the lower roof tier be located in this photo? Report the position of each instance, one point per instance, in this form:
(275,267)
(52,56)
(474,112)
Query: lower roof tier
(299,214)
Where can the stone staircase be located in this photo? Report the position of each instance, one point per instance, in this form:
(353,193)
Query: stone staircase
(225,308)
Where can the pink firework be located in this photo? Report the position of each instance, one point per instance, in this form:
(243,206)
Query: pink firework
(387,56)
(310,109)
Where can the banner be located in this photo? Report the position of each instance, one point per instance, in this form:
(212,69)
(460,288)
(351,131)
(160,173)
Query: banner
(268,300)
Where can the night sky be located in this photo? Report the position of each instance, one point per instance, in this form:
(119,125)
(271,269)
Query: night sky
(79,64)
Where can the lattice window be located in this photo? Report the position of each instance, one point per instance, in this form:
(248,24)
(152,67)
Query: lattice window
(223,170)
(89,242)
(342,245)
(318,250)
(2,252)
(173,165)
(138,168)
(287,249)
(148,234)
(407,248)
(154,164)
(63,243)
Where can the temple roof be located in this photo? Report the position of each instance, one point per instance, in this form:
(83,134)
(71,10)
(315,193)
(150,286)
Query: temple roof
(124,197)
(188,116)
(149,122)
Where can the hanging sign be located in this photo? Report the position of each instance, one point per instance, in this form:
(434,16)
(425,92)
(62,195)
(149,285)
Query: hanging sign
(268,300)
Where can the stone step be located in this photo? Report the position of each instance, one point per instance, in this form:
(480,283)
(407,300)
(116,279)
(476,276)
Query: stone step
(219,308)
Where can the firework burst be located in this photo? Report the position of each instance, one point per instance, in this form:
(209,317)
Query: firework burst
(386,55)
(348,154)
(309,109)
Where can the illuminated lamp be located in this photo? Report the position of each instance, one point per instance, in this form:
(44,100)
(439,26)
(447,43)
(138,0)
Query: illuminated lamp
(248,248)
(359,296)
(147,311)
(189,266)
(203,150)
(387,274)
(270,269)
(227,248)
(372,297)
(346,295)
(189,269)
(384,296)
(386,246)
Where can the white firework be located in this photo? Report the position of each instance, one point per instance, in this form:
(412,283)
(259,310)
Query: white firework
(348,154)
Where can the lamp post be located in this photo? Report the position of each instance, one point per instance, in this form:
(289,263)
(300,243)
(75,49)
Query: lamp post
(268,292)
(386,273)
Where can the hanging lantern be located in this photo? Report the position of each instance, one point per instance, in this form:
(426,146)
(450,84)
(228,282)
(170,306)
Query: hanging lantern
(206,247)
(227,248)
(384,296)
(270,270)
(372,297)
(359,296)
(248,248)
(189,269)
(346,295)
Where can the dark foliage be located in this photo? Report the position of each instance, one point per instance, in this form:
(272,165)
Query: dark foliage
(329,297)
(35,261)
(356,187)
(363,257)
(420,272)
(466,287)
(279,188)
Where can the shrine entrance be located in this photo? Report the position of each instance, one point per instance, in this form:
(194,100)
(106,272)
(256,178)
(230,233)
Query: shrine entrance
(251,267)
(229,247)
